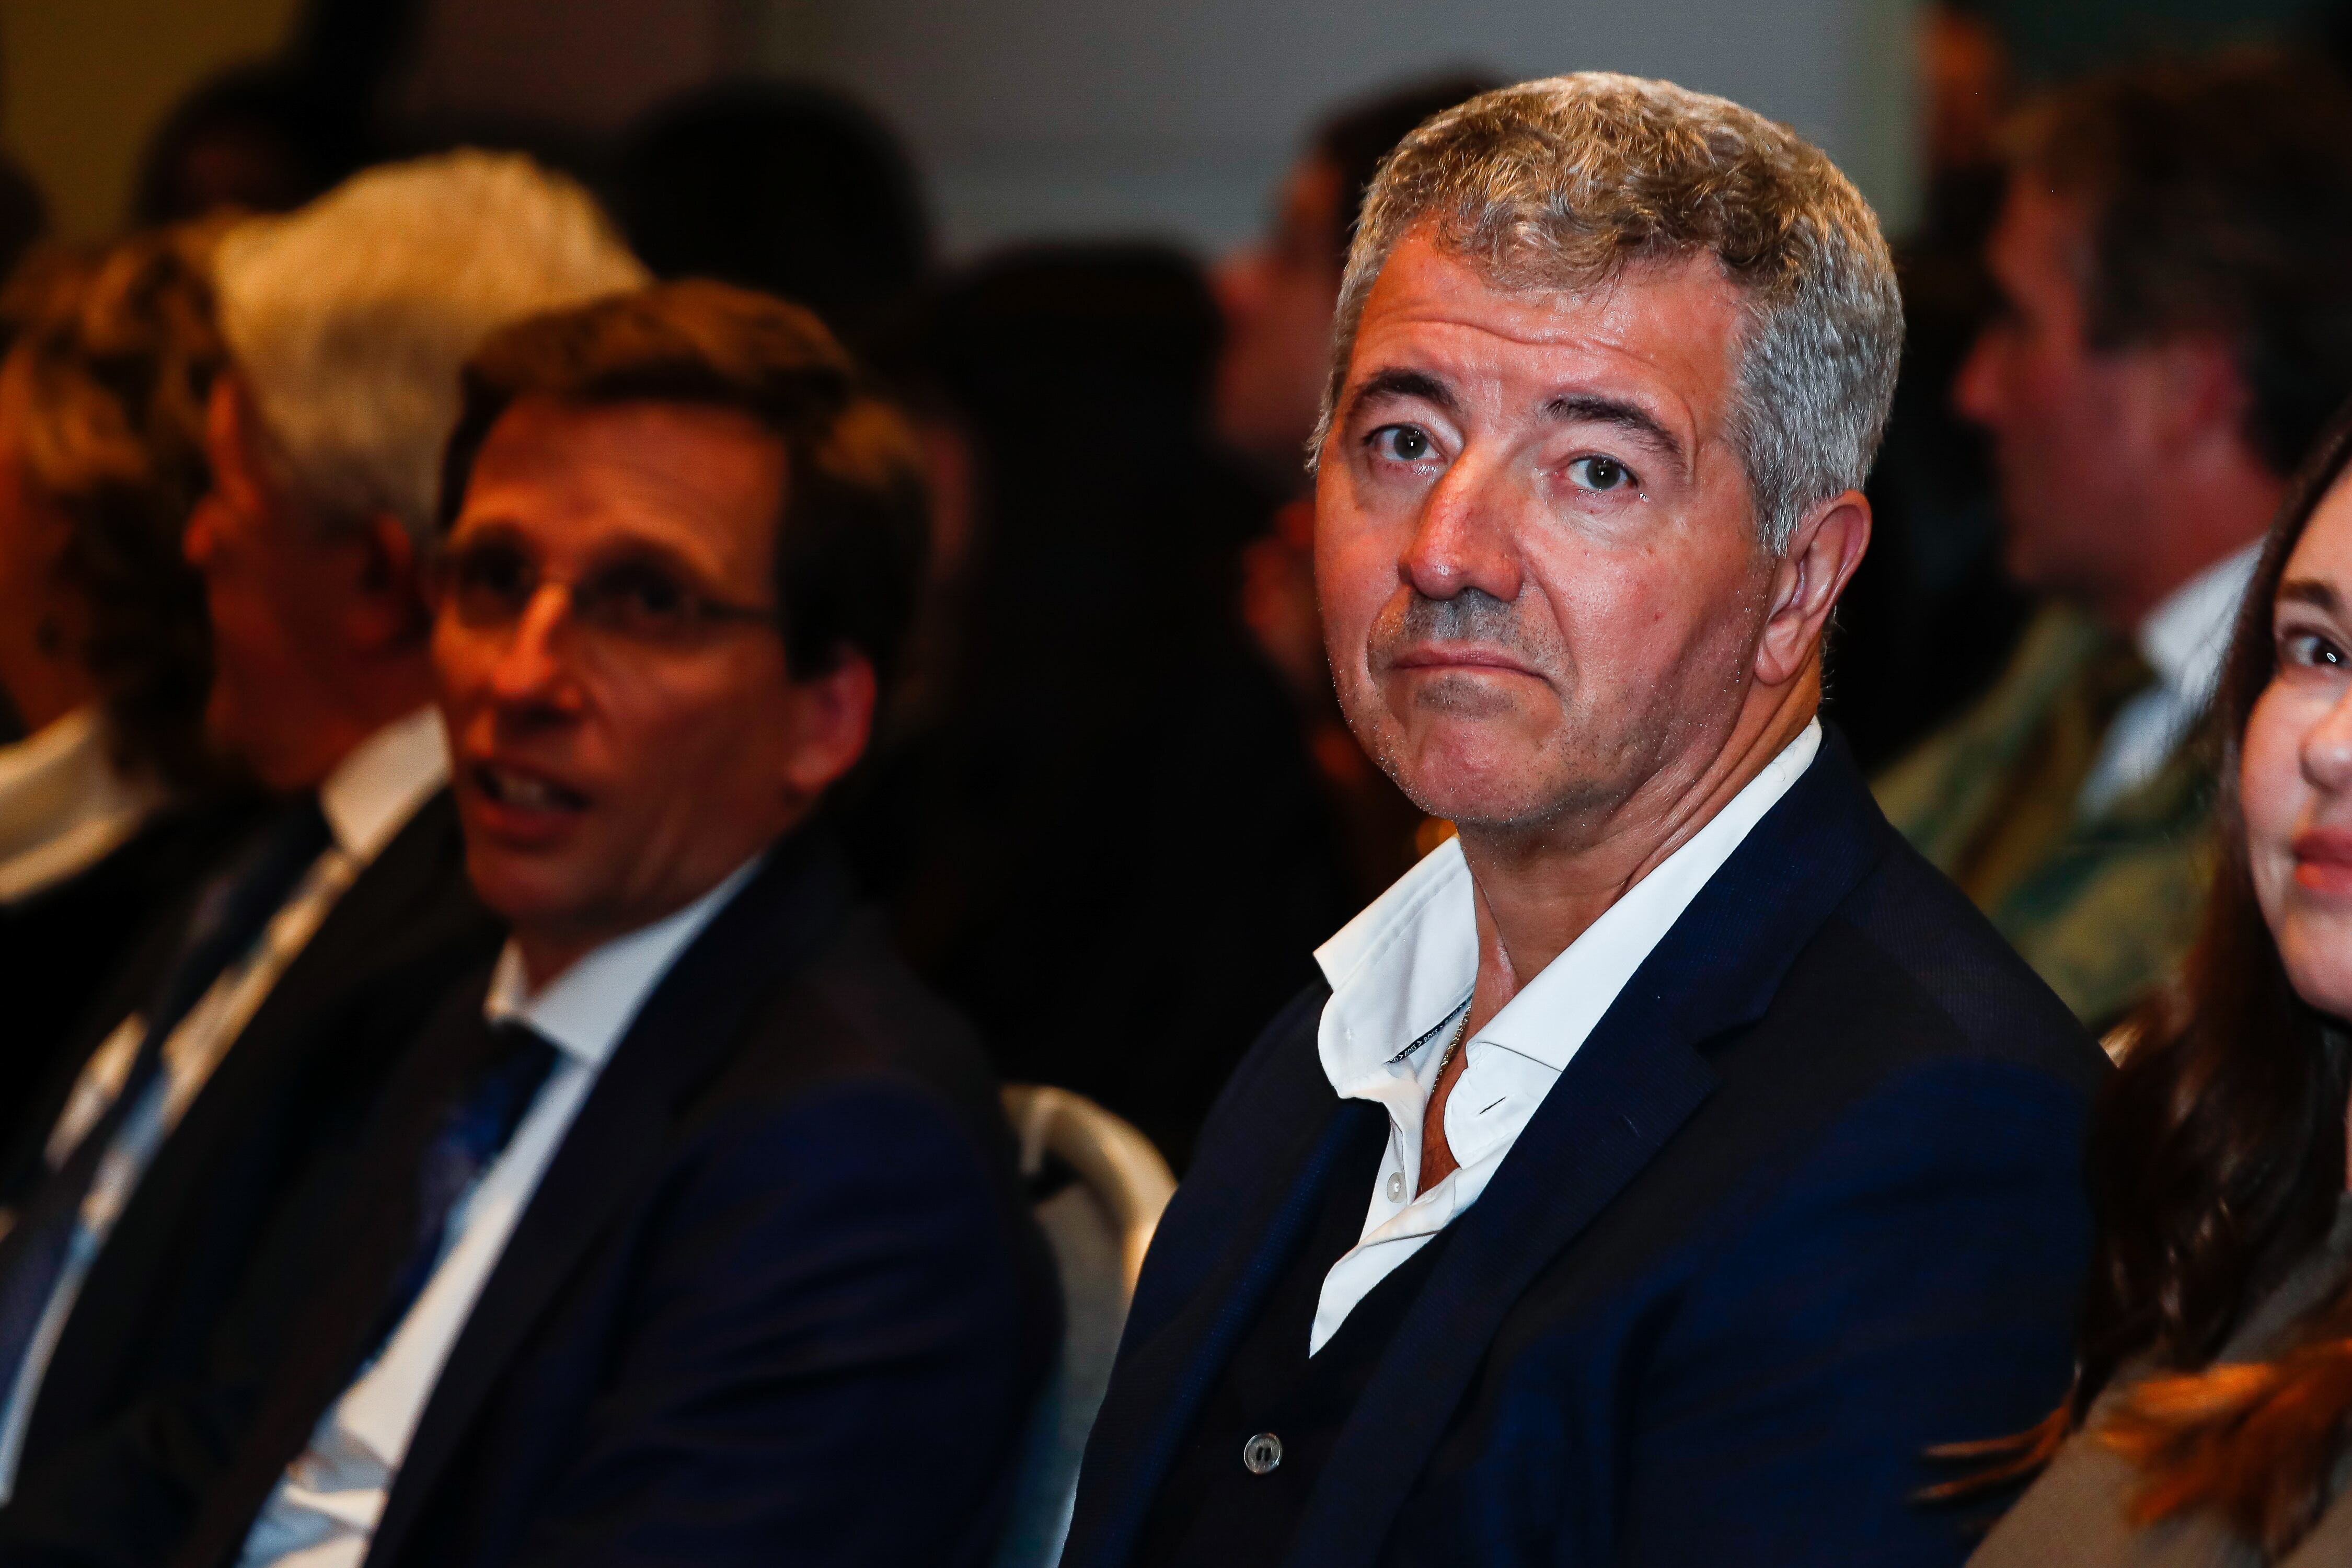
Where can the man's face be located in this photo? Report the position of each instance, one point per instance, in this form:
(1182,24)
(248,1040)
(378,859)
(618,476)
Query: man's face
(1536,553)
(1277,298)
(277,590)
(2071,438)
(616,761)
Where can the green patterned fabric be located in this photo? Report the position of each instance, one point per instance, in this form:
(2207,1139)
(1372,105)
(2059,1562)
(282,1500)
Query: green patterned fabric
(2103,907)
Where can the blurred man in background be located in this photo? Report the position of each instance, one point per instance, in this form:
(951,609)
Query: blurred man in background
(1932,617)
(788,187)
(224,1103)
(2174,265)
(1056,834)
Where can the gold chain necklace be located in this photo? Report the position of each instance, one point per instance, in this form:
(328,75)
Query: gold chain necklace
(1454,1044)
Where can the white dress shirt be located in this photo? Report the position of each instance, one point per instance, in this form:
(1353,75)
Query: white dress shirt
(324,1510)
(1401,974)
(369,797)
(64,805)
(2184,639)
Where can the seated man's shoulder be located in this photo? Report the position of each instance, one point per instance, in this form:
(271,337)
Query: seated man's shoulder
(856,1026)
(1907,973)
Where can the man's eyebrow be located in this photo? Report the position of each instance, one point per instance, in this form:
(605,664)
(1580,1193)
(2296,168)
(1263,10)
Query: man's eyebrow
(1584,408)
(1397,383)
(2308,590)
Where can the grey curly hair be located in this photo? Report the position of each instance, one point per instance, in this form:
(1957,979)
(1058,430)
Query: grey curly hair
(1569,182)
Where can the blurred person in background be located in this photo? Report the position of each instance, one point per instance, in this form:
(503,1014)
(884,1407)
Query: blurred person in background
(1932,617)
(2173,263)
(2207,1426)
(258,138)
(1108,847)
(222,1106)
(746,1275)
(113,803)
(786,187)
(1277,297)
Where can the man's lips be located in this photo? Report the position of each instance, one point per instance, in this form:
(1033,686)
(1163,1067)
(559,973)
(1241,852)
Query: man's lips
(516,801)
(1459,657)
(2323,860)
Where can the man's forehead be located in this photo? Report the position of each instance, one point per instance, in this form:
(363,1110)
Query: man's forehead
(697,478)
(1669,330)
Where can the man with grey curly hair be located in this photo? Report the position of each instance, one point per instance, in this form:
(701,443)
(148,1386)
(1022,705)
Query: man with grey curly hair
(1672,1158)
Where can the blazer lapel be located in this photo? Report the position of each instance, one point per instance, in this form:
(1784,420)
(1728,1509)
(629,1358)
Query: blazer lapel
(688,1027)
(1636,1079)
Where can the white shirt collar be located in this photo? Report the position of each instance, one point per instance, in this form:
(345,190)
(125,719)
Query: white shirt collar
(584,1011)
(376,789)
(1406,964)
(2185,638)
(64,806)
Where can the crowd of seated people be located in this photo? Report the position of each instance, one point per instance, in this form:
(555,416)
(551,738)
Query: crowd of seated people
(567,762)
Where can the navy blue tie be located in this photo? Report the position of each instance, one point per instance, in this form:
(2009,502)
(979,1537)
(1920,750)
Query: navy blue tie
(471,1136)
(229,917)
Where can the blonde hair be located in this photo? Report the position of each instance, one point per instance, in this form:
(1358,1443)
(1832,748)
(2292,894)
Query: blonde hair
(1567,183)
(348,320)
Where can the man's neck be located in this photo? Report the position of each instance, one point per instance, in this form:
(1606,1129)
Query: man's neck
(365,706)
(1535,893)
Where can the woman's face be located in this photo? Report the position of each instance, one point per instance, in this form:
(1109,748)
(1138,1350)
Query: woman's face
(2295,774)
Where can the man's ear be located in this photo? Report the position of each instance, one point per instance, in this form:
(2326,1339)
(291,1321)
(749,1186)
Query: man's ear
(1806,581)
(832,719)
(384,568)
(230,449)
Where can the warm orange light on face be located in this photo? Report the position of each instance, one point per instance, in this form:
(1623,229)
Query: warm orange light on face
(604,780)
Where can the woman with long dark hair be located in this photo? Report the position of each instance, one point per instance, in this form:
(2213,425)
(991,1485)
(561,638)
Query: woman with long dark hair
(2210,1422)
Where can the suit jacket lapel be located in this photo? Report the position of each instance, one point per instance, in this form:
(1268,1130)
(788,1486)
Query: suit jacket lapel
(688,1027)
(1636,1079)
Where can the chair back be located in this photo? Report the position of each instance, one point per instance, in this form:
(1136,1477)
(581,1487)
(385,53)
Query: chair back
(1099,1224)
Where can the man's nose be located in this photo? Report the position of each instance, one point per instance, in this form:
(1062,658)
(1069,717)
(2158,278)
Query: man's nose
(1975,396)
(1238,283)
(533,667)
(1465,536)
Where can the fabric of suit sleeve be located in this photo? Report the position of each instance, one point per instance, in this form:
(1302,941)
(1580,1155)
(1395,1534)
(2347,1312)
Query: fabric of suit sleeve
(1910,1286)
(812,1367)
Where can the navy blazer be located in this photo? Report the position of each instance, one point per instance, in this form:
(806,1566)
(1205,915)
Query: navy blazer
(1808,1201)
(778,1298)
(263,1144)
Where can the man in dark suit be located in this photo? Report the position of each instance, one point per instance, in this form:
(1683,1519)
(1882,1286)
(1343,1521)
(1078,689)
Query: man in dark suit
(1672,1159)
(217,1094)
(691,1233)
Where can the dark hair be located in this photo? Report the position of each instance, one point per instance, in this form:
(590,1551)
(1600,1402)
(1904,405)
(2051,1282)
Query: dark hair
(2221,200)
(119,349)
(2217,1160)
(296,136)
(785,187)
(854,525)
(1357,136)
